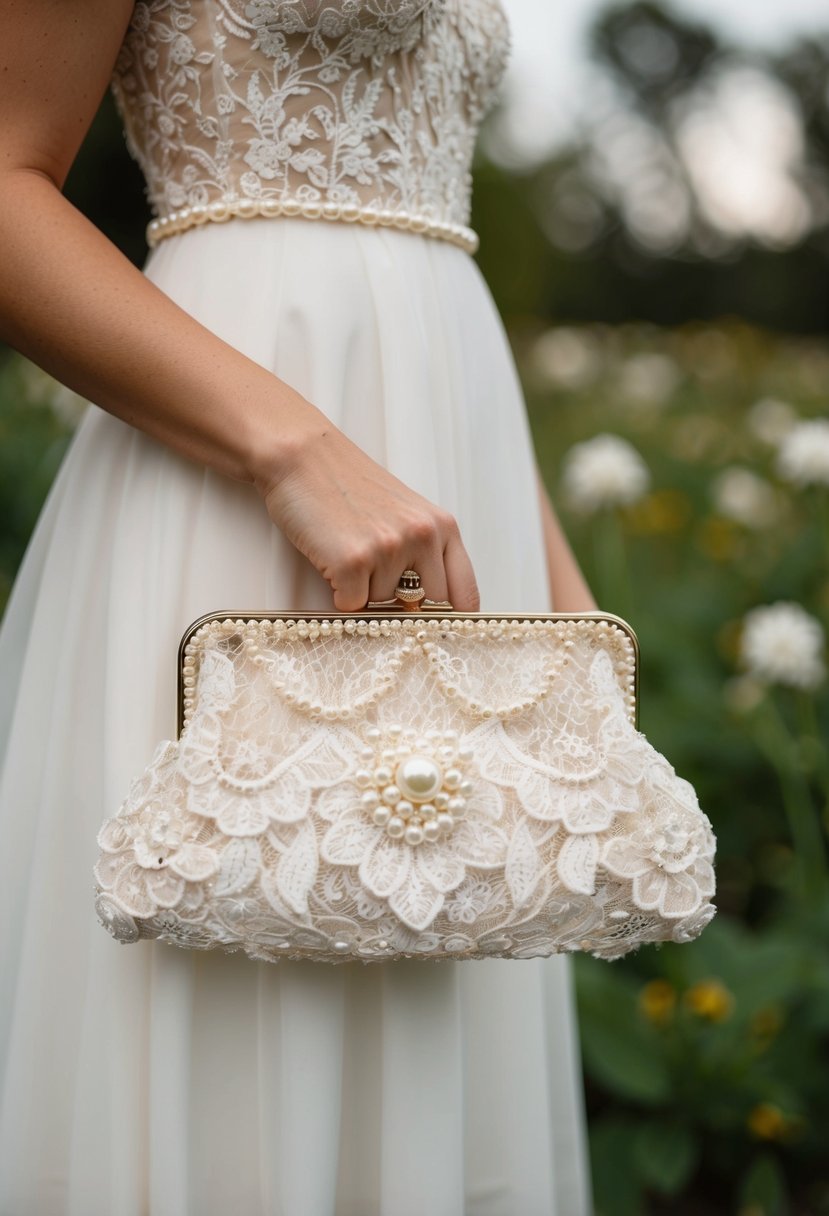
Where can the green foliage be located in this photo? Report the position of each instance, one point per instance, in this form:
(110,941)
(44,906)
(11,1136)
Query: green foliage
(33,437)
(620,1049)
(641,240)
(764,1189)
(706,1062)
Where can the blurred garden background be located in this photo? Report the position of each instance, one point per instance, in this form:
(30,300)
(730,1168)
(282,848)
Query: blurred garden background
(662,267)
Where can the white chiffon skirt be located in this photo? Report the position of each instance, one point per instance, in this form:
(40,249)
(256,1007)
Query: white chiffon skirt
(151,1081)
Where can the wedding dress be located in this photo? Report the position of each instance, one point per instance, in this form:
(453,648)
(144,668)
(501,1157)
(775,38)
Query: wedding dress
(335,138)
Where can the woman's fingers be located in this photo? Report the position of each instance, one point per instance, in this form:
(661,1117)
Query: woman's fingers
(350,578)
(463,587)
(372,571)
(417,544)
(361,528)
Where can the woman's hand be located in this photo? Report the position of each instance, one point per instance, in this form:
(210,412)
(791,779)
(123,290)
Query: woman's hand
(357,524)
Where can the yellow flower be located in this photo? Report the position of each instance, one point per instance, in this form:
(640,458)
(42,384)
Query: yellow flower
(657,1001)
(766,1023)
(767,1122)
(711,1000)
(661,512)
(719,539)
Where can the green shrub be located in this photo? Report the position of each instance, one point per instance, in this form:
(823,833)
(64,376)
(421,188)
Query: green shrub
(706,1063)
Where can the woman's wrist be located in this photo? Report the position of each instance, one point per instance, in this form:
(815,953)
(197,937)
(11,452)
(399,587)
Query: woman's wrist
(277,435)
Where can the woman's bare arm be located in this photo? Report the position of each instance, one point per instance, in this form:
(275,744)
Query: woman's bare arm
(70,301)
(568,589)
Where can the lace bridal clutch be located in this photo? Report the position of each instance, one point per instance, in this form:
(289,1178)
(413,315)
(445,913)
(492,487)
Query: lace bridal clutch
(407,784)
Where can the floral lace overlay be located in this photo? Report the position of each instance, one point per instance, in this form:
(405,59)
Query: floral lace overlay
(357,105)
(399,787)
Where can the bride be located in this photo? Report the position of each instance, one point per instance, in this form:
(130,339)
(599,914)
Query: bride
(306,392)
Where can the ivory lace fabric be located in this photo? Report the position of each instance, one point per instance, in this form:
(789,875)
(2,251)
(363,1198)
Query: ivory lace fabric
(353,105)
(285,821)
(149,1081)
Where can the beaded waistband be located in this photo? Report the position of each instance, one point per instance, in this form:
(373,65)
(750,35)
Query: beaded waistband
(221,211)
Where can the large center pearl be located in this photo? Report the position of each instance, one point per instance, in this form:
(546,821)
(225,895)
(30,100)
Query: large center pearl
(419,778)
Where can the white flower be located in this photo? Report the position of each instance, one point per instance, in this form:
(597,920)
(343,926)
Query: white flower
(606,471)
(566,358)
(746,498)
(782,644)
(769,420)
(649,379)
(803,456)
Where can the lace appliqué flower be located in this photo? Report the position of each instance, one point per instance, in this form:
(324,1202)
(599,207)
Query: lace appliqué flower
(406,826)
(669,852)
(163,845)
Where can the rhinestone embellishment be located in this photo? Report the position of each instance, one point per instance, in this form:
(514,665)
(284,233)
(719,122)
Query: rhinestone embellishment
(415,787)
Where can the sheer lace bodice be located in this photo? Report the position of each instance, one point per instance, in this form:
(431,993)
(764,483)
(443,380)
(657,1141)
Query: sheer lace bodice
(362,110)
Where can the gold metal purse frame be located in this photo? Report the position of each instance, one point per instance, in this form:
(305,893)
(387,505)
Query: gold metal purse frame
(409,598)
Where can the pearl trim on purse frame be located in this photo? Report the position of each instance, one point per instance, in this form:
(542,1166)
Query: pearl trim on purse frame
(420,632)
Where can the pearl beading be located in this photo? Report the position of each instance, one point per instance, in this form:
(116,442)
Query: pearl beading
(391,797)
(254,633)
(222,210)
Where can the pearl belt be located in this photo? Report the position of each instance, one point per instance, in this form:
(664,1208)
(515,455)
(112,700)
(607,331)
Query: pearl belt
(220,211)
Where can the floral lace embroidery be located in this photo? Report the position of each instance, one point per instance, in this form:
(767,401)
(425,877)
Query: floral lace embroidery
(398,814)
(355,103)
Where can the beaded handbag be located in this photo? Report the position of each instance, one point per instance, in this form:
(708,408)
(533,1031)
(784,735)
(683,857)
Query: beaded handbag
(398,784)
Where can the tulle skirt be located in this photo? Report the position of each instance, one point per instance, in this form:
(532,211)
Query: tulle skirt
(151,1081)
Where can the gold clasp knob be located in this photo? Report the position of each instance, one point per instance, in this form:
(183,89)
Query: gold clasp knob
(410,596)
(409,591)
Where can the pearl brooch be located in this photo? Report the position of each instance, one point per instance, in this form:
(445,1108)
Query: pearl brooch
(419,797)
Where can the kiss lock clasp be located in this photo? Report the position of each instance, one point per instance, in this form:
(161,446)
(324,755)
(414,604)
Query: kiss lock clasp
(409,596)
